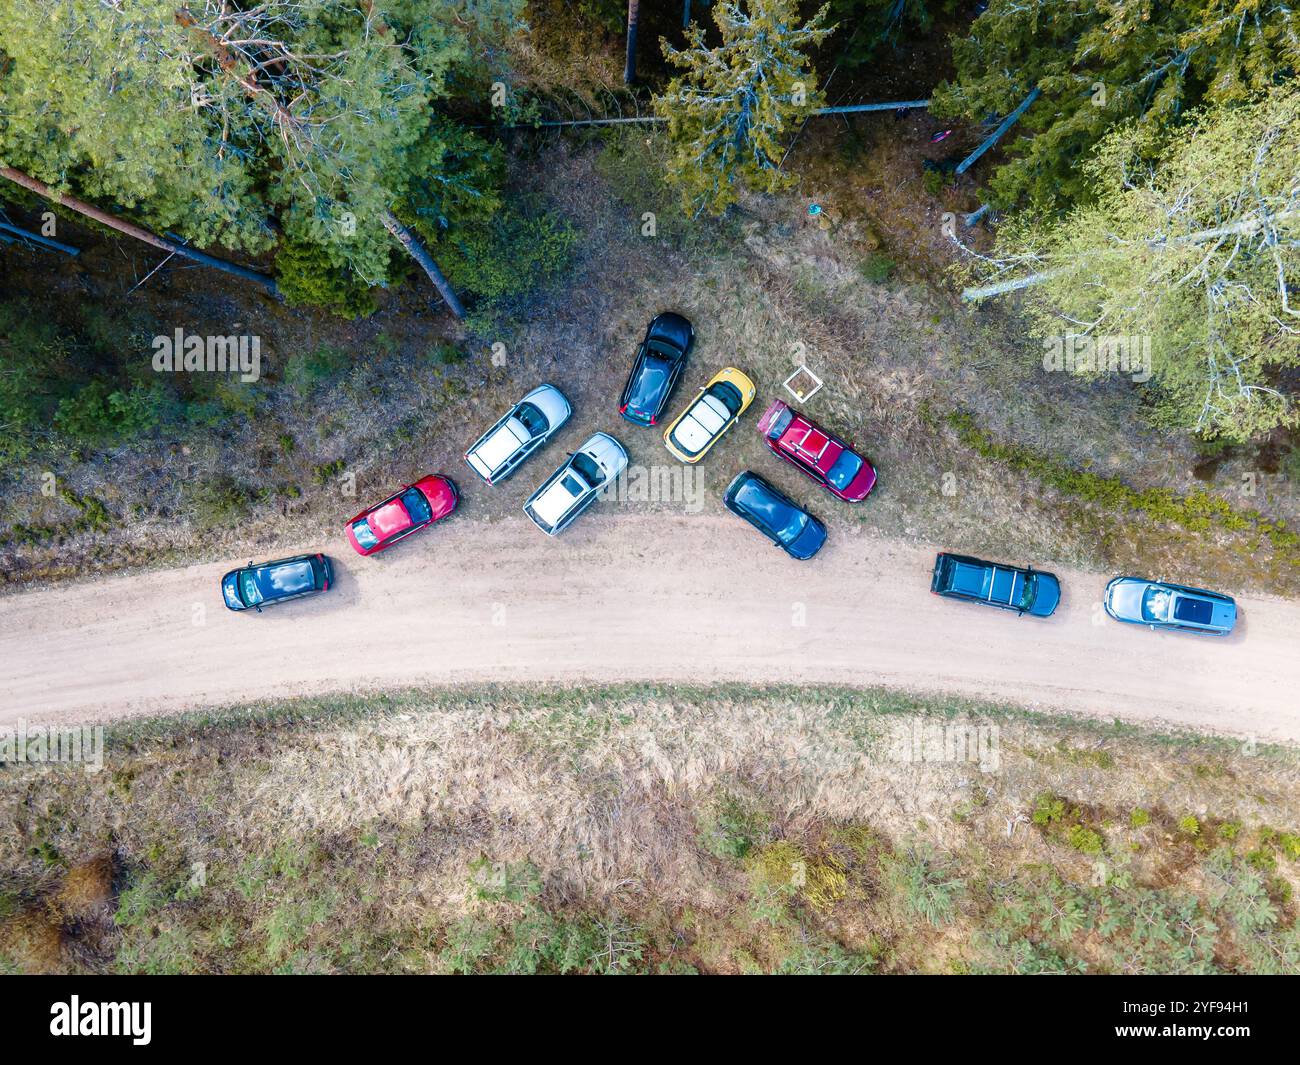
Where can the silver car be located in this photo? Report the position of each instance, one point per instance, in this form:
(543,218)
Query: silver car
(532,421)
(1161,605)
(576,485)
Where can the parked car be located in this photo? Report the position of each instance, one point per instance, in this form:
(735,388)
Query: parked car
(576,485)
(267,583)
(656,369)
(523,429)
(415,507)
(1161,605)
(775,515)
(1024,590)
(716,409)
(821,455)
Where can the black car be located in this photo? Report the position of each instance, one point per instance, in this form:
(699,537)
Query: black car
(267,583)
(659,363)
(1018,588)
(776,516)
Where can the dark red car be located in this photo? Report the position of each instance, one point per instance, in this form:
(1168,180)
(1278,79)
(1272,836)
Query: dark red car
(824,457)
(430,499)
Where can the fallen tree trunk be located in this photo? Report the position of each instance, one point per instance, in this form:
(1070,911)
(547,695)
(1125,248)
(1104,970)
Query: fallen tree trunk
(132,230)
(420,254)
(996,135)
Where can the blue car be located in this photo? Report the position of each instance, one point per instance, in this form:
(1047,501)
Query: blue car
(777,517)
(268,583)
(1024,590)
(1161,605)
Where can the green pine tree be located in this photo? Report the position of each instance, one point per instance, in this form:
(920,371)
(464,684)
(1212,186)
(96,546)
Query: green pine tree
(1101,63)
(730,109)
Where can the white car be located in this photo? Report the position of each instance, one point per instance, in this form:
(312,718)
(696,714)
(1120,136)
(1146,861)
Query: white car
(575,486)
(532,421)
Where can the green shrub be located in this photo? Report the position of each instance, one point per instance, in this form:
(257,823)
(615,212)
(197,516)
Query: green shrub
(1085,839)
(731,830)
(1139,817)
(877,268)
(220,501)
(510,255)
(1197,511)
(306,371)
(307,278)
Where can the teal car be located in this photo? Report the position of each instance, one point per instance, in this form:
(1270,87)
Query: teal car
(1160,605)
(1017,588)
(267,583)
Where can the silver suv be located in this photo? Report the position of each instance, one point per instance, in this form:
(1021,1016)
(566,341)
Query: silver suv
(574,486)
(532,421)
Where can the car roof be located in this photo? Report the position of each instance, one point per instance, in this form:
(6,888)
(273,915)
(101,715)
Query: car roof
(389,518)
(703,420)
(278,579)
(495,448)
(558,497)
(811,444)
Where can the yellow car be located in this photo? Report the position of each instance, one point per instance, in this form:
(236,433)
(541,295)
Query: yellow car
(715,410)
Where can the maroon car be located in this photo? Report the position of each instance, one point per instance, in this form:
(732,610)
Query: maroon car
(824,457)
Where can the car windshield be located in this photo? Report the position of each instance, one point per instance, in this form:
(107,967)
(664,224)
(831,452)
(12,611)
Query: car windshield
(587,467)
(248,589)
(780,424)
(729,394)
(648,384)
(846,467)
(1155,604)
(416,506)
(533,419)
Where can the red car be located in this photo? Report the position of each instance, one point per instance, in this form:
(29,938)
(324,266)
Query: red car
(825,458)
(430,499)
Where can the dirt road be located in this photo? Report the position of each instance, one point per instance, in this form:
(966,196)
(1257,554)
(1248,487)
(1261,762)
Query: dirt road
(691,599)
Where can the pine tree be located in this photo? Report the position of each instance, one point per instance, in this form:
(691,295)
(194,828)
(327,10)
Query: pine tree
(236,124)
(727,113)
(1100,63)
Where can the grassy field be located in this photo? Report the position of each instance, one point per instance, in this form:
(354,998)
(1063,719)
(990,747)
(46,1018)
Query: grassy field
(650,829)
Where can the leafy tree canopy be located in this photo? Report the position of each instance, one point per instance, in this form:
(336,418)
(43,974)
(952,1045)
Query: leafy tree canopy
(234,122)
(1199,252)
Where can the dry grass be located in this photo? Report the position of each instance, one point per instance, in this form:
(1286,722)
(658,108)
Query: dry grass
(675,810)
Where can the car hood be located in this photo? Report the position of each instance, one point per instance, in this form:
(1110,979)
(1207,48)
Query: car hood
(1047,594)
(1125,600)
(808,542)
